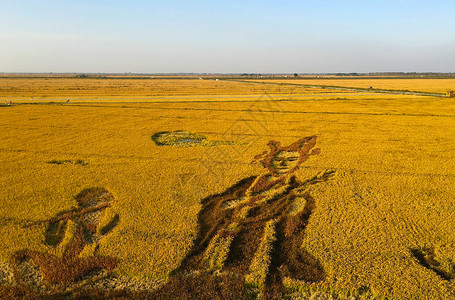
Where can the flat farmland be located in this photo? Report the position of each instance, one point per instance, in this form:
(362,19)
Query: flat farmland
(380,226)
(408,84)
(128,89)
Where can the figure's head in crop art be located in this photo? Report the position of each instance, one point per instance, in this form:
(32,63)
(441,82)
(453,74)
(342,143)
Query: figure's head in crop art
(286,160)
(97,200)
(94,196)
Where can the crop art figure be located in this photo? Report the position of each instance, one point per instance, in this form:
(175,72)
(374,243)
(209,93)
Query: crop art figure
(77,234)
(256,227)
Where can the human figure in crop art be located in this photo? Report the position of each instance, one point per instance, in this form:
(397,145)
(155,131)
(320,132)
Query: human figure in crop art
(256,227)
(73,231)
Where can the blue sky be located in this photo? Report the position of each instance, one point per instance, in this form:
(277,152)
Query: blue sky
(227,37)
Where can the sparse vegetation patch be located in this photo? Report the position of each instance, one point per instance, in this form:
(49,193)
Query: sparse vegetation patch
(68,161)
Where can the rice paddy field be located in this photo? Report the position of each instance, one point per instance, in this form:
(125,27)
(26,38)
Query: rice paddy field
(429,85)
(91,174)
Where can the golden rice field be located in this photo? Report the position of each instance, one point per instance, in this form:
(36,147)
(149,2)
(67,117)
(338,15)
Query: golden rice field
(129,89)
(414,84)
(381,227)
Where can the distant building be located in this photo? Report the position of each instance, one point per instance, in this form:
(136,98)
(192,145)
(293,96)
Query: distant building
(450,94)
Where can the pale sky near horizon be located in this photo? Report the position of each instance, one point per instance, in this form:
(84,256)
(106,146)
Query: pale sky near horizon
(246,36)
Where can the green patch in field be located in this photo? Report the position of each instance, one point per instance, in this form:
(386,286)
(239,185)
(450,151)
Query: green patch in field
(183,138)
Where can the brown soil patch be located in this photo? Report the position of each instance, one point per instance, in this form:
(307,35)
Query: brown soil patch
(17,293)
